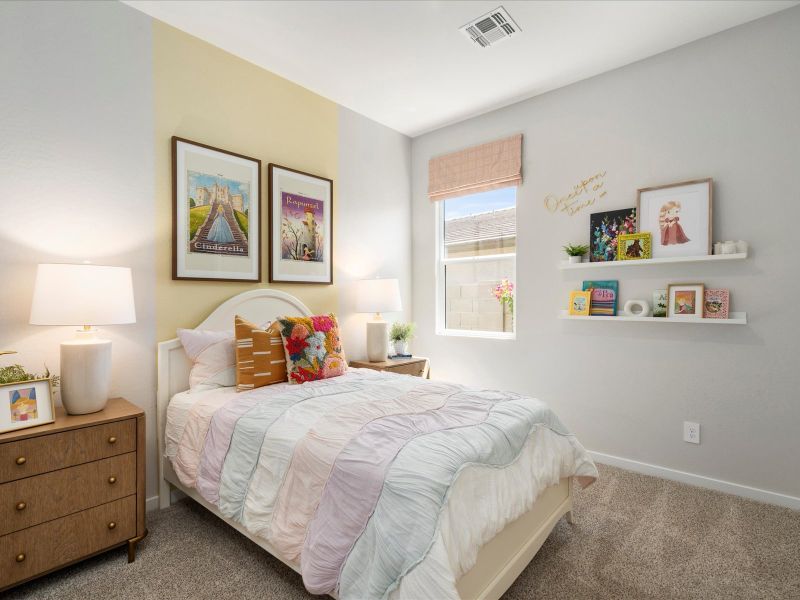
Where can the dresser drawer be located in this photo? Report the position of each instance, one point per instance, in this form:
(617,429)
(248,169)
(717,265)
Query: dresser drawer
(33,500)
(36,550)
(45,453)
(416,369)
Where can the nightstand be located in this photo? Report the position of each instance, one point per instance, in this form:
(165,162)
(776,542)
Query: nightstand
(416,365)
(70,490)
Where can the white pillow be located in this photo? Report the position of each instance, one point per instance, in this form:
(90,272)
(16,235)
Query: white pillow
(213,358)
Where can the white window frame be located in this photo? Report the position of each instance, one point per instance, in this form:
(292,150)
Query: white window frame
(441,282)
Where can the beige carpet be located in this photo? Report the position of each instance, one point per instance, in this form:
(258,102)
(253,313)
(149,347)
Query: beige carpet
(634,537)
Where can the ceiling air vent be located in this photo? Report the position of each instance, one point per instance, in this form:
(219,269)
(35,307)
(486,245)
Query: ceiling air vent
(491,28)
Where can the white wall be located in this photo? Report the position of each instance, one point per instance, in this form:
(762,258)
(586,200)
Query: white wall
(372,238)
(76,166)
(725,107)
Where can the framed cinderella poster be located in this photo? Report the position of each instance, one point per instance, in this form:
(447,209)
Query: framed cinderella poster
(216,213)
(300,227)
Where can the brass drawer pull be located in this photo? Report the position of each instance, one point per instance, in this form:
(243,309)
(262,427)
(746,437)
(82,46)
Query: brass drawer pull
(21,505)
(20,557)
(112,525)
(112,440)
(22,460)
(112,480)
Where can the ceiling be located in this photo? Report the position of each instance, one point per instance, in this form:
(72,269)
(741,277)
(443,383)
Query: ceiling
(406,65)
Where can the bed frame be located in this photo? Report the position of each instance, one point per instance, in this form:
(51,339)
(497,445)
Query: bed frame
(500,561)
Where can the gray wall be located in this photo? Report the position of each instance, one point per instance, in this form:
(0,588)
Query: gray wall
(76,166)
(374,218)
(725,107)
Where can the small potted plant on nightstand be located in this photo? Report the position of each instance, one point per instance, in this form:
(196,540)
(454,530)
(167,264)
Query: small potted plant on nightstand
(400,334)
(576,252)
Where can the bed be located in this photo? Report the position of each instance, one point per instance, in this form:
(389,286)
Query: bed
(273,464)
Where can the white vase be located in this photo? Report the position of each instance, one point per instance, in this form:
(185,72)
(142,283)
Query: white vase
(401,347)
(575,259)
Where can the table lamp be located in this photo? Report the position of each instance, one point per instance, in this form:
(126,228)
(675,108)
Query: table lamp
(83,295)
(377,296)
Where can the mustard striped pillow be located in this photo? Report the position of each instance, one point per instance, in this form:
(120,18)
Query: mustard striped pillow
(260,359)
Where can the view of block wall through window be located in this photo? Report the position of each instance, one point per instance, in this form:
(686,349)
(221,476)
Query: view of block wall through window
(478,255)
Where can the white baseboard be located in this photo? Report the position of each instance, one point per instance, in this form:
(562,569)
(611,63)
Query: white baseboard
(698,480)
(151,503)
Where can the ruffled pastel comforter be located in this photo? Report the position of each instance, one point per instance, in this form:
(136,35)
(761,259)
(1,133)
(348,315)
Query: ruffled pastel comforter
(355,478)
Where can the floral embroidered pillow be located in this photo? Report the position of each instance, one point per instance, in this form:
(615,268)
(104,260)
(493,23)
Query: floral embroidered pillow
(313,347)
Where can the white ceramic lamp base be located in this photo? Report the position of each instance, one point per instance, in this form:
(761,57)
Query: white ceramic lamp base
(85,375)
(377,340)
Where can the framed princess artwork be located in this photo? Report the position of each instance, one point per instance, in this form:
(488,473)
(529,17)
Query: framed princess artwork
(679,217)
(685,300)
(26,404)
(716,304)
(301,227)
(216,213)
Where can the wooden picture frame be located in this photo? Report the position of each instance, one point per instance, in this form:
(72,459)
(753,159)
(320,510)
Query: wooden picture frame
(26,404)
(217,235)
(634,246)
(685,300)
(300,226)
(679,217)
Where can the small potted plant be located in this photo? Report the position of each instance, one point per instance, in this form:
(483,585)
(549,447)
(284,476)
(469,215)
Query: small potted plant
(400,334)
(576,252)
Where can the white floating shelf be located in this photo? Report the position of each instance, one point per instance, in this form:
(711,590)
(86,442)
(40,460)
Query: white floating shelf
(565,266)
(735,318)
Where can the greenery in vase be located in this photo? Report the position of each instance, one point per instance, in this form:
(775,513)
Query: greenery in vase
(576,249)
(17,373)
(401,332)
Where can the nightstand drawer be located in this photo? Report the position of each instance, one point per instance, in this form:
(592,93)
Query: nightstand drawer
(416,369)
(45,497)
(46,453)
(36,550)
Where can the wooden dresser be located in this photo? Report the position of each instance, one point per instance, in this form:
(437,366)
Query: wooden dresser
(71,489)
(415,365)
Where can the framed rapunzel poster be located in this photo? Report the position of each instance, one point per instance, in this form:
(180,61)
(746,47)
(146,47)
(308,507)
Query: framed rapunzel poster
(300,227)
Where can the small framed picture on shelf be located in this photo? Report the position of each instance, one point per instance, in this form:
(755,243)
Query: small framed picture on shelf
(633,246)
(26,404)
(603,297)
(679,215)
(604,227)
(685,300)
(579,303)
(660,303)
(716,304)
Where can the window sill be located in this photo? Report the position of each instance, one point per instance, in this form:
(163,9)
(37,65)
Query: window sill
(471,333)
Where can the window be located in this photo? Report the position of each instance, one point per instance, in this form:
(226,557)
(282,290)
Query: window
(476,264)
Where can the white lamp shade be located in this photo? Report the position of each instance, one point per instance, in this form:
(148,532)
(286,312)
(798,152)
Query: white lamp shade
(82,295)
(378,295)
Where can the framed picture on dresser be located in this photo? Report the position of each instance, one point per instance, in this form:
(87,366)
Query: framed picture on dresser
(26,404)
(216,213)
(300,227)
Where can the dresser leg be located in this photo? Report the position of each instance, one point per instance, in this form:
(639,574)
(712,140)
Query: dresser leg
(132,546)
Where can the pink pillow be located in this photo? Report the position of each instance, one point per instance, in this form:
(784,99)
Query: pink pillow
(313,347)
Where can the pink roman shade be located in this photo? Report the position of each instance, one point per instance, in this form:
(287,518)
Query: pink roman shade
(481,168)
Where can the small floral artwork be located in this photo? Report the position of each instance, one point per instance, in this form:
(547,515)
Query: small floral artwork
(604,229)
(313,347)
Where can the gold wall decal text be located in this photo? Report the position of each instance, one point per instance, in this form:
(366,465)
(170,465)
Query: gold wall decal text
(583,194)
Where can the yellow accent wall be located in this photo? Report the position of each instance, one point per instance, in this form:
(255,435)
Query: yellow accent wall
(207,95)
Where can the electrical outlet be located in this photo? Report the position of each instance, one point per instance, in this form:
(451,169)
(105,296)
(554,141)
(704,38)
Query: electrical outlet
(691,432)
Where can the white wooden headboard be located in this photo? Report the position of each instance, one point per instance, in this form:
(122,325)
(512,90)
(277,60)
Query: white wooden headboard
(258,306)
